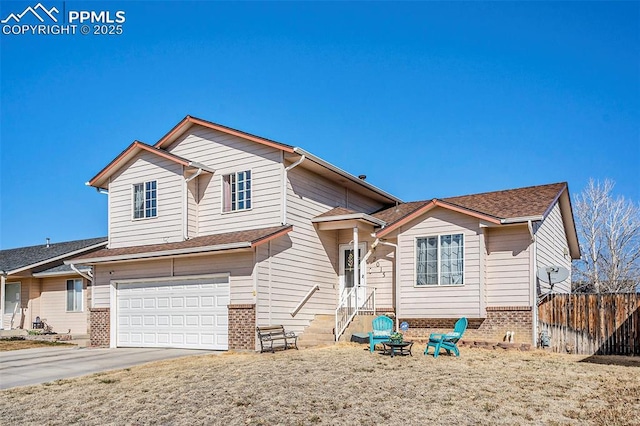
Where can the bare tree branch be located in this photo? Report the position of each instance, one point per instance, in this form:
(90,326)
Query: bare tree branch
(609,233)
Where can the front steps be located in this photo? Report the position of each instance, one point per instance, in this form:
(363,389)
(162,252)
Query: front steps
(320,331)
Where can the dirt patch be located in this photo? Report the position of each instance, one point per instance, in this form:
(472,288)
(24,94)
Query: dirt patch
(14,344)
(342,384)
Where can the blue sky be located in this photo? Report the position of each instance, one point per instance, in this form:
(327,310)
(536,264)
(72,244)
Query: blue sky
(426,99)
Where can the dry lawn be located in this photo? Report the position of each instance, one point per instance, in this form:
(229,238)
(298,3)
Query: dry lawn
(343,384)
(15,344)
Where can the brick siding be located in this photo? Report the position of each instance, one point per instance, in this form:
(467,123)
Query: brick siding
(242,326)
(99,327)
(493,328)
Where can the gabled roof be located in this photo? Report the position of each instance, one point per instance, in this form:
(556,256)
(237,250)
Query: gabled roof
(100,180)
(498,207)
(205,244)
(20,259)
(188,121)
(512,203)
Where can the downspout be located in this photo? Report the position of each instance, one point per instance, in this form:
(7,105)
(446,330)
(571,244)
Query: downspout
(185,206)
(88,276)
(284,187)
(3,290)
(534,291)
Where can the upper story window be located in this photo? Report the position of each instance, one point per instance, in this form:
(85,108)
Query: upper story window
(74,295)
(440,260)
(145,200)
(236,191)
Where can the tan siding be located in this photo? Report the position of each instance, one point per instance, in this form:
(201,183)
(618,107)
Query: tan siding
(104,274)
(508,280)
(238,265)
(306,257)
(167,226)
(226,154)
(380,271)
(361,203)
(552,248)
(440,301)
(53,307)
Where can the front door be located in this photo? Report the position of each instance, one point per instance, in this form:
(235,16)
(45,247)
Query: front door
(12,305)
(347,268)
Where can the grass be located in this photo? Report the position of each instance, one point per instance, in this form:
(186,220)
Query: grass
(343,384)
(13,344)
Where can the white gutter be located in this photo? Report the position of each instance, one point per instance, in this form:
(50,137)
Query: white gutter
(162,253)
(185,207)
(352,216)
(195,175)
(345,174)
(61,257)
(284,187)
(534,287)
(87,276)
(200,166)
(521,219)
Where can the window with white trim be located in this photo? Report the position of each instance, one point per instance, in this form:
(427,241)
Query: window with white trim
(145,200)
(440,260)
(236,191)
(74,295)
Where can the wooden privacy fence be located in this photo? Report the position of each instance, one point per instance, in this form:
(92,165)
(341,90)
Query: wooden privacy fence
(602,324)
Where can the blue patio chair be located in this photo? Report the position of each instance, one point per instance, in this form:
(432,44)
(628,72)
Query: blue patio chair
(382,329)
(448,341)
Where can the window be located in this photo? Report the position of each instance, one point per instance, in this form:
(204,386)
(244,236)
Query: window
(236,191)
(74,295)
(145,200)
(440,260)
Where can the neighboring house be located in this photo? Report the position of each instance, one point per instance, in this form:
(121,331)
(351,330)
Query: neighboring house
(213,231)
(36,283)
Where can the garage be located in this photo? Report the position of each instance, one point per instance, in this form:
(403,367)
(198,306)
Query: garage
(187,312)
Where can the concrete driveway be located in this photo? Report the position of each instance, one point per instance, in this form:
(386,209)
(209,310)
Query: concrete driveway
(41,365)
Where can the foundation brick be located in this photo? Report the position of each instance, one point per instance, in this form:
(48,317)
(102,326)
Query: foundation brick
(242,326)
(493,328)
(99,327)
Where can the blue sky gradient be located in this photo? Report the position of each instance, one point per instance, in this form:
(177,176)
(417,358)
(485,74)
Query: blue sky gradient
(426,99)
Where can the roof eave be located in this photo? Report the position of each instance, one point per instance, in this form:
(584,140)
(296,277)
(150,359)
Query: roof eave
(522,219)
(430,205)
(161,253)
(46,274)
(356,216)
(56,258)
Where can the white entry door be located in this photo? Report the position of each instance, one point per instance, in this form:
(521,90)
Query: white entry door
(12,303)
(347,267)
(177,313)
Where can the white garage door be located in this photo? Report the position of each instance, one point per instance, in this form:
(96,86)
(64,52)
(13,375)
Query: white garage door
(181,313)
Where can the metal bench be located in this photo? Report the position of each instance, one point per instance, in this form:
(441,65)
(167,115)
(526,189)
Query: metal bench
(274,336)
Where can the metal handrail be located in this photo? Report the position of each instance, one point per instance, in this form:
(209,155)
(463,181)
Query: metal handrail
(305,300)
(345,312)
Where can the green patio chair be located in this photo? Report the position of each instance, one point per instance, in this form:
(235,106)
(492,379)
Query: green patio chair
(382,329)
(448,341)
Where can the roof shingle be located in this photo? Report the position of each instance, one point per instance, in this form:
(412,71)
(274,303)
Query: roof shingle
(21,257)
(252,237)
